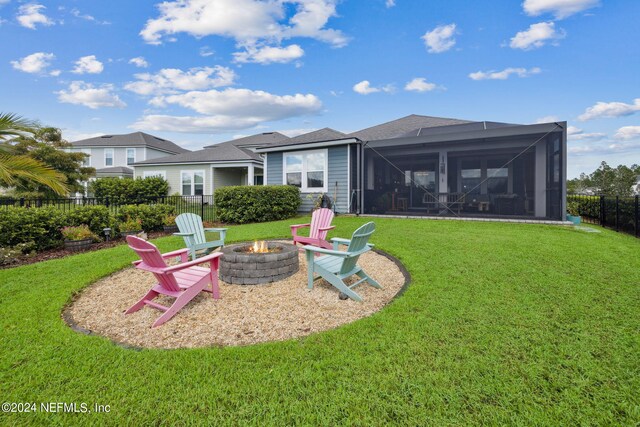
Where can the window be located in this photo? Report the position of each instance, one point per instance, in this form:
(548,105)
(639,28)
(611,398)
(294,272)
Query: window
(131,156)
(108,156)
(306,170)
(192,183)
(86,162)
(497,177)
(471,176)
(161,174)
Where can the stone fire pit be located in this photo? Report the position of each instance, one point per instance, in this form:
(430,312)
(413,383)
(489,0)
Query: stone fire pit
(239,265)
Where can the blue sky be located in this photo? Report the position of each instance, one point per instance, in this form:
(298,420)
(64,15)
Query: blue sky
(202,71)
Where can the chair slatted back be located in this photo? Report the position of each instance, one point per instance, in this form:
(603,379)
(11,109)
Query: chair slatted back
(191,223)
(321,218)
(152,261)
(359,240)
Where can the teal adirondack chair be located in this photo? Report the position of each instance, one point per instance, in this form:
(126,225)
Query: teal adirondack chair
(192,230)
(335,265)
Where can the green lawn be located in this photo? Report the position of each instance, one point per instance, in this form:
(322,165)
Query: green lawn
(503,324)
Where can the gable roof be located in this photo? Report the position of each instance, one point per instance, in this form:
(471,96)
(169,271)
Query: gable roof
(229,151)
(256,140)
(131,140)
(399,127)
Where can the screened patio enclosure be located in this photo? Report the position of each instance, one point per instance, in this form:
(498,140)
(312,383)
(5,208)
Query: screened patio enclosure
(512,178)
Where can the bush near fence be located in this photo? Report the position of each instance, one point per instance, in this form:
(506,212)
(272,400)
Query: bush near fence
(40,226)
(121,191)
(619,213)
(151,216)
(245,204)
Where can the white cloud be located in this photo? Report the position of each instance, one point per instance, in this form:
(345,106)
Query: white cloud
(206,51)
(577,134)
(247,21)
(87,17)
(548,119)
(229,109)
(81,93)
(609,109)
(139,62)
(390,3)
(420,84)
(55,73)
(36,63)
(440,39)
(628,132)
(29,15)
(504,74)
(269,54)
(559,8)
(365,88)
(172,80)
(537,35)
(88,64)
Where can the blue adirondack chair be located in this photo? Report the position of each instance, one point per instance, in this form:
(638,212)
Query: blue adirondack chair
(335,265)
(192,230)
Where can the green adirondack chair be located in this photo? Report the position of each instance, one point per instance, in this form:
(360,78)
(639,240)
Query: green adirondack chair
(192,230)
(335,265)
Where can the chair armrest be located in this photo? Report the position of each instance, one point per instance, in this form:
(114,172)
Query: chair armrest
(299,226)
(326,251)
(198,261)
(331,227)
(183,234)
(175,253)
(213,230)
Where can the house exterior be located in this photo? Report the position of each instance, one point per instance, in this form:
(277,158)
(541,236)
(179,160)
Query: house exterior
(114,155)
(422,165)
(201,172)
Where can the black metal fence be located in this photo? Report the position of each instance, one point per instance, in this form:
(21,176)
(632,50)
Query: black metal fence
(201,205)
(618,213)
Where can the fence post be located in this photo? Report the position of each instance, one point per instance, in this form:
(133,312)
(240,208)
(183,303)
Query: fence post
(636,223)
(106,202)
(21,201)
(617,212)
(201,206)
(602,211)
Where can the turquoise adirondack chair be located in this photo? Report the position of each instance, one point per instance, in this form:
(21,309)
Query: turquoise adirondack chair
(335,265)
(192,230)
(182,282)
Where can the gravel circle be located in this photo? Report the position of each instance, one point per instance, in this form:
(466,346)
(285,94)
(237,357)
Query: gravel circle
(243,315)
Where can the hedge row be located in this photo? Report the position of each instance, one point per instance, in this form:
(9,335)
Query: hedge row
(244,204)
(120,190)
(41,226)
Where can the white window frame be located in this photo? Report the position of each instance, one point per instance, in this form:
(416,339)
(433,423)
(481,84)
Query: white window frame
(193,183)
(162,174)
(304,154)
(127,155)
(109,150)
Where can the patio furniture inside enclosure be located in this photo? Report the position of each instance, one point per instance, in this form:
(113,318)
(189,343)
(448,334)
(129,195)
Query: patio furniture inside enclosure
(520,181)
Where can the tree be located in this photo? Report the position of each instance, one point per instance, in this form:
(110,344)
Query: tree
(607,181)
(47,146)
(15,167)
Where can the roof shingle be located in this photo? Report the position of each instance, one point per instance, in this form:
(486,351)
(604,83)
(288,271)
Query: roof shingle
(131,140)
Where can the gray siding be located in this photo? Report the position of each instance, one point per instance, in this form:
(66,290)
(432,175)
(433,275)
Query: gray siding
(172,173)
(223,177)
(338,173)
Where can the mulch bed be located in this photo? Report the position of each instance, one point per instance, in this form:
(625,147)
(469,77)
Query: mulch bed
(61,253)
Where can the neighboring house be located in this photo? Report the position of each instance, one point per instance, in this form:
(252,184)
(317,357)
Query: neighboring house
(114,155)
(421,165)
(201,172)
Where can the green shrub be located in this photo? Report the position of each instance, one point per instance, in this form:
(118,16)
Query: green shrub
(96,217)
(13,254)
(125,190)
(244,204)
(39,225)
(151,216)
(77,232)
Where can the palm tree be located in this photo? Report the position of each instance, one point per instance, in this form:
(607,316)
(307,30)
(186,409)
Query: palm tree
(13,166)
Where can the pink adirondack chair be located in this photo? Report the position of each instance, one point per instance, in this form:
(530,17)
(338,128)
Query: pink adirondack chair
(182,282)
(318,229)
